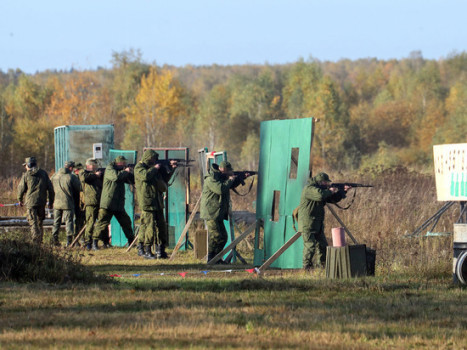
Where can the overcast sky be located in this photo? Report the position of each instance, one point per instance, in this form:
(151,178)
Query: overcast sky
(63,34)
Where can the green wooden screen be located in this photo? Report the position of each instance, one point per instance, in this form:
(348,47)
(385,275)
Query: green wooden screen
(284,167)
(117,235)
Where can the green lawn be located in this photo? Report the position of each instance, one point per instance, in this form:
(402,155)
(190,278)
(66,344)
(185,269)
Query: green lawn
(238,309)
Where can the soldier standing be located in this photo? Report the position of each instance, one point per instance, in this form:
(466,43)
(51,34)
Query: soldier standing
(151,182)
(33,189)
(91,182)
(67,187)
(215,202)
(112,201)
(314,197)
(80,210)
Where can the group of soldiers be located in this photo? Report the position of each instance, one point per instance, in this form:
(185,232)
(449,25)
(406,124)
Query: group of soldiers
(104,198)
(91,196)
(318,191)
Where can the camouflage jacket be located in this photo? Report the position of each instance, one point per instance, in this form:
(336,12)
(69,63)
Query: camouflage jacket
(311,208)
(67,187)
(150,186)
(215,198)
(113,188)
(34,187)
(92,187)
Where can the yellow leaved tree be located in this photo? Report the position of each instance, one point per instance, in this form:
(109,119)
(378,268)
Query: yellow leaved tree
(156,110)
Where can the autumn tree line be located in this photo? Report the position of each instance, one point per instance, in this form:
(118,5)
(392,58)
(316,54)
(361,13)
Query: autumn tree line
(370,112)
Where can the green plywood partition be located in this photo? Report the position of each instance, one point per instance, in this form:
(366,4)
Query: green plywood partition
(118,237)
(178,195)
(284,167)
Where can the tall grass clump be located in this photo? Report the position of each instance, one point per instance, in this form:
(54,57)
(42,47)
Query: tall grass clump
(383,217)
(24,261)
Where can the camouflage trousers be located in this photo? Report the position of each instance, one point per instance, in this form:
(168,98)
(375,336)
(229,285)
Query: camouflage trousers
(80,220)
(91,233)
(314,248)
(35,218)
(103,220)
(67,216)
(217,236)
(153,226)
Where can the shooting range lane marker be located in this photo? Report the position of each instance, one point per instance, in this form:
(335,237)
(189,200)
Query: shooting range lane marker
(186,273)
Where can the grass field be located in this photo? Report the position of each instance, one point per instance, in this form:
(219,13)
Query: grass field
(411,303)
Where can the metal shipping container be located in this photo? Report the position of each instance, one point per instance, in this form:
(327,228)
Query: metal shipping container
(80,142)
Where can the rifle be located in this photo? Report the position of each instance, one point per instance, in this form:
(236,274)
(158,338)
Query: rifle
(180,162)
(340,185)
(240,177)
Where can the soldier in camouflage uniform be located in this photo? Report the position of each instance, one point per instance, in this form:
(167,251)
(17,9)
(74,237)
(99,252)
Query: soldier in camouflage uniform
(80,210)
(91,182)
(151,182)
(215,202)
(314,197)
(112,201)
(33,189)
(67,187)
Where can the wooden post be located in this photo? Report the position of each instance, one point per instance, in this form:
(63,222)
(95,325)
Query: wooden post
(185,230)
(134,239)
(232,244)
(277,254)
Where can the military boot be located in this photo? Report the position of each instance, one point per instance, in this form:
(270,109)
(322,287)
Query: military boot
(95,244)
(69,240)
(163,254)
(140,249)
(148,253)
(88,245)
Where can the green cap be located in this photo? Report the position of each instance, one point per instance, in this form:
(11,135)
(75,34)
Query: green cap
(120,159)
(226,165)
(69,163)
(322,177)
(30,160)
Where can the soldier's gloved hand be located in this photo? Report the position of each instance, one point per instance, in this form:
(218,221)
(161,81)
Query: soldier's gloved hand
(346,188)
(333,189)
(128,169)
(173,164)
(157,166)
(232,177)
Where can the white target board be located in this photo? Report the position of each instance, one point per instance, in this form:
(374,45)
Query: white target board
(451,171)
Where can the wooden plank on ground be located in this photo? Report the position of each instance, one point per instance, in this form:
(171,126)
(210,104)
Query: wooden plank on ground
(77,237)
(185,230)
(233,244)
(279,252)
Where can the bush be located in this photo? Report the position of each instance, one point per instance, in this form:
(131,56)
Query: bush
(24,261)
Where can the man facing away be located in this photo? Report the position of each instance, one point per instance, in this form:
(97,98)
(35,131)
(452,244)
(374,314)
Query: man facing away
(315,195)
(33,189)
(151,182)
(91,183)
(112,201)
(67,188)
